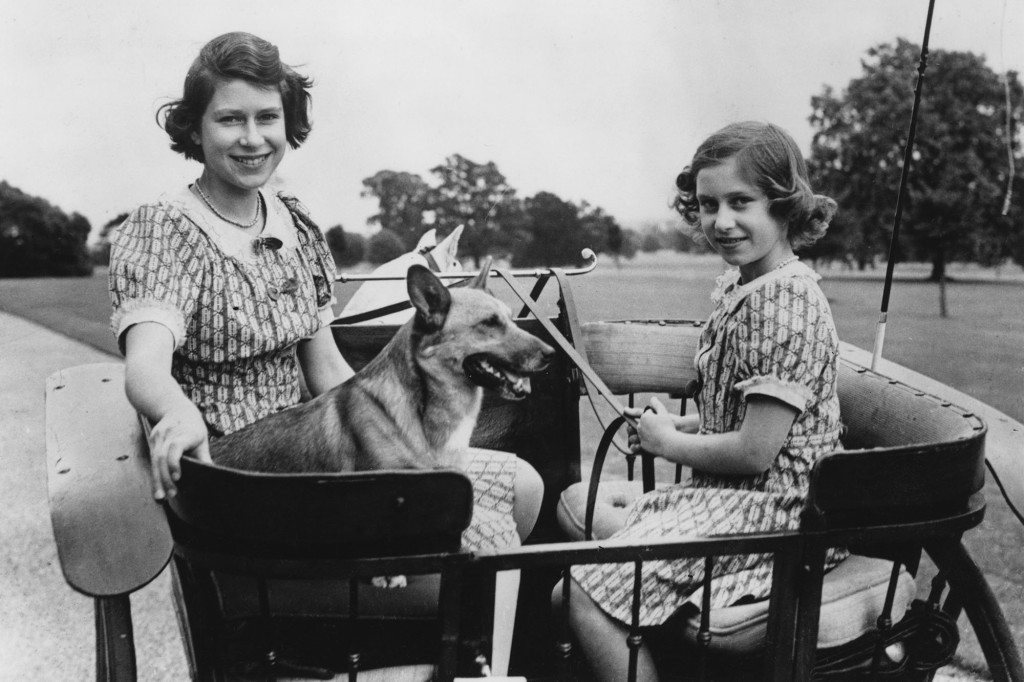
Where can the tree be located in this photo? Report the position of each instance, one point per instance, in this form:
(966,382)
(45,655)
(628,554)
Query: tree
(959,172)
(552,233)
(384,246)
(402,200)
(479,197)
(346,247)
(601,232)
(38,239)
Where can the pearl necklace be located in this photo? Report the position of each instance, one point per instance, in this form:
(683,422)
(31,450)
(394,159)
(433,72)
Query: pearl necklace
(785,262)
(209,204)
(741,282)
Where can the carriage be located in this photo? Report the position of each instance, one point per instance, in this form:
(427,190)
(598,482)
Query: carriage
(270,572)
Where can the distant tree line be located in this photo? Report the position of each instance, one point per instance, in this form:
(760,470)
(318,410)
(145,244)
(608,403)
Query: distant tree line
(37,239)
(539,230)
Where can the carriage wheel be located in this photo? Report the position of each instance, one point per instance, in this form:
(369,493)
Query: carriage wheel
(970,592)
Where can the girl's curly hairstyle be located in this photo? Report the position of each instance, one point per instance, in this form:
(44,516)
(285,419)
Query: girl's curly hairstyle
(233,56)
(769,159)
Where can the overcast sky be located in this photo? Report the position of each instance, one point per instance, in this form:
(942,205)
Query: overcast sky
(590,99)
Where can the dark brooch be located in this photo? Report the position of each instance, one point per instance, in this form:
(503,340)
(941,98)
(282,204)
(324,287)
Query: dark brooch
(286,286)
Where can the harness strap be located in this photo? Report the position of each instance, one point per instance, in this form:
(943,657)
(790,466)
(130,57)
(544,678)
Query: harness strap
(567,347)
(371,314)
(429,257)
(385,310)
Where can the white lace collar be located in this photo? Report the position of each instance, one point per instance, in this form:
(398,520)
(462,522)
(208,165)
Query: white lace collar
(729,291)
(232,242)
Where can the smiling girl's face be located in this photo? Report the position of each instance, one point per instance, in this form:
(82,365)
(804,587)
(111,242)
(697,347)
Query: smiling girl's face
(734,217)
(243,137)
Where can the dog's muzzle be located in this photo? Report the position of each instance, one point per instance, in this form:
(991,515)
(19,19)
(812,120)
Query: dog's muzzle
(486,371)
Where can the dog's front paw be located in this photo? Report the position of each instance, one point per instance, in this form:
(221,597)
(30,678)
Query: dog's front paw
(390,581)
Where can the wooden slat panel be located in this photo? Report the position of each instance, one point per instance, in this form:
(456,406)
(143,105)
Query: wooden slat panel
(643,357)
(112,536)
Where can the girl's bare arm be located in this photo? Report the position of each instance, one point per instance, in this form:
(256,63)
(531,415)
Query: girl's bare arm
(747,451)
(323,367)
(178,426)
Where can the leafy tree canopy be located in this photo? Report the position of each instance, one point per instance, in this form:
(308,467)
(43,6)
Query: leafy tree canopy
(384,246)
(402,198)
(479,197)
(553,233)
(959,172)
(347,248)
(496,222)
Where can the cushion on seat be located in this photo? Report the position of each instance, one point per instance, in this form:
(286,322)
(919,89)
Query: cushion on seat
(853,593)
(852,597)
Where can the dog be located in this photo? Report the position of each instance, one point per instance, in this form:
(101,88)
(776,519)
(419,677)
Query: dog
(374,295)
(415,405)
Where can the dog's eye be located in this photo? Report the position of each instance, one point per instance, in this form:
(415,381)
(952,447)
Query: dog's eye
(493,322)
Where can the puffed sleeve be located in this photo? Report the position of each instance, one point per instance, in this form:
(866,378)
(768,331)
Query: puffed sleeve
(317,254)
(154,270)
(786,339)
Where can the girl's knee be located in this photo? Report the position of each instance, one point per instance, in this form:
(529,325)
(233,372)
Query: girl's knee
(528,482)
(529,494)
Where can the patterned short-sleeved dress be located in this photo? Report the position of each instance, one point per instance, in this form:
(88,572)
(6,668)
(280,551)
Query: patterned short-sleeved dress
(236,308)
(775,337)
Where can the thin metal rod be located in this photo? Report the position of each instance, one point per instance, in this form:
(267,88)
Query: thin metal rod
(587,254)
(908,154)
(635,639)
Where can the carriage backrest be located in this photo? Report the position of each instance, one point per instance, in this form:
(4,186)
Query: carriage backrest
(355,514)
(906,456)
(643,356)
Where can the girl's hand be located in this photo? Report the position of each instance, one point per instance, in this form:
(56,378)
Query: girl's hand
(689,423)
(632,439)
(655,428)
(180,432)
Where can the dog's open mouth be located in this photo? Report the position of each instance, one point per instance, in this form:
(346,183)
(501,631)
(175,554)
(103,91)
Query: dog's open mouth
(484,370)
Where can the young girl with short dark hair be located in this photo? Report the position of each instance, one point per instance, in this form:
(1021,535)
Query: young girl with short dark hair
(767,402)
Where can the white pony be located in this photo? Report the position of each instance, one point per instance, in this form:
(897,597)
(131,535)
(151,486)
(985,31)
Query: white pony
(373,295)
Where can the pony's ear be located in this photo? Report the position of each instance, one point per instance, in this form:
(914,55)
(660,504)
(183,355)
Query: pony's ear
(428,240)
(450,247)
(429,297)
(480,281)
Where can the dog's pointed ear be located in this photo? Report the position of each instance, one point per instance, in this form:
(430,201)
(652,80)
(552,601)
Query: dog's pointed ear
(429,296)
(480,281)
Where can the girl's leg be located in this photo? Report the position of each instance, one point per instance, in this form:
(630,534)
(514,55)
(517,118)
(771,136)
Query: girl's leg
(603,640)
(529,493)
